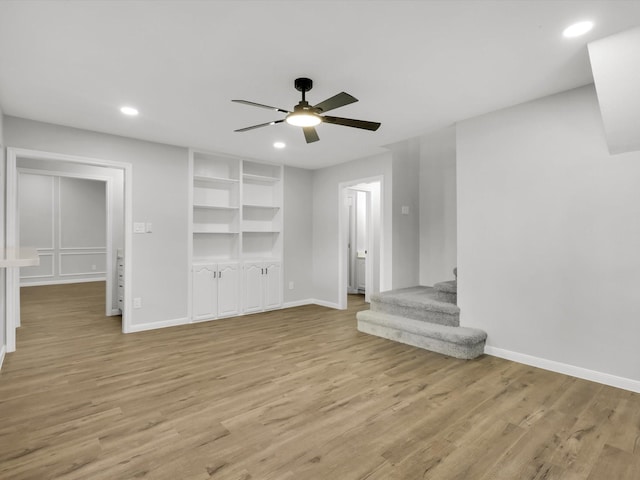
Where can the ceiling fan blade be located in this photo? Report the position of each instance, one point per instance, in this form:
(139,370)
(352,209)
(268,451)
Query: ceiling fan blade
(339,100)
(310,134)
(350,122)
(258,126)
(268,107)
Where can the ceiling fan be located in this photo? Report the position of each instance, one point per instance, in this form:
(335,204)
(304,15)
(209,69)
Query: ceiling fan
(308,116)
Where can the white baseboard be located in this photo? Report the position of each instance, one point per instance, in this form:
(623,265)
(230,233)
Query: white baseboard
(311,301)
(3,350)
(572,370)
(60,282)
(298,303)
(324,303)
(142,327)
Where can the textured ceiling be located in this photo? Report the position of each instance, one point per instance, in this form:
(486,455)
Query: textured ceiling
(415,66)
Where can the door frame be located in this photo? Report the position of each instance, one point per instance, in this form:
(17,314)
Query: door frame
(343,236)
(12,284)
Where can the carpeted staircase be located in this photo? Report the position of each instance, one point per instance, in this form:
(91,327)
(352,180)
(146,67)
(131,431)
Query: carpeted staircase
(424,317)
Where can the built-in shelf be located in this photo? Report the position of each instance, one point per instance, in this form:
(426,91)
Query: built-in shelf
(19,257)
(235,215)
(215,180)
(249,177)
(213,207)
(266,207)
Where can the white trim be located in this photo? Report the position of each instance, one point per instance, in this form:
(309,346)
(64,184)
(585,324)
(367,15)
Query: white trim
(565,368)
(324,303)
(143,327)
(69,280)
(115,311)
(3,350)
(298,303)
(69,254)
(66,249)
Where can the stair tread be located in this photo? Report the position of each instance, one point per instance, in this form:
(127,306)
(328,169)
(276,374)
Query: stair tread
(415,297)
(450,286)
(457,335)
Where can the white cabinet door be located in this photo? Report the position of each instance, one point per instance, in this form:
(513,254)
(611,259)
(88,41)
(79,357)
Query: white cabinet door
(228,289)
(205,303)
(272,285)
(252,287)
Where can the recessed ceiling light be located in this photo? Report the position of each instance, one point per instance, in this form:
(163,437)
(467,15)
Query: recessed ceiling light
(577,29)
(279,145)
(129,111)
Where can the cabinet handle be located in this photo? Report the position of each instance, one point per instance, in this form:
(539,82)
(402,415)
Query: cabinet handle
(262,271)
(266,271)
(219,274)
(214,274)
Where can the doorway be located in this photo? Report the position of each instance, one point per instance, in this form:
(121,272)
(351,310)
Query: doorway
(68,165)
(358,203)
(360,236)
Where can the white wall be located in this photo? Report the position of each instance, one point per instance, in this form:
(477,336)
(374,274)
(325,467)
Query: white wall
(438,255)
(3,324)
(65,218)
(549,236)
(298,242)
(159,196)
(616,72)
(406,226)
(325,210)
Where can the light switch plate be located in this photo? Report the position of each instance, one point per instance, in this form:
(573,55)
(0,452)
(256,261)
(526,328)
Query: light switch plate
(138,227)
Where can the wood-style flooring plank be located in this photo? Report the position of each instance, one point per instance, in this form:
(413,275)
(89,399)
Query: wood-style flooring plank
(287,395)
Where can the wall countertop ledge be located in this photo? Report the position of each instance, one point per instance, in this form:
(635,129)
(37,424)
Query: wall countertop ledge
(19,257)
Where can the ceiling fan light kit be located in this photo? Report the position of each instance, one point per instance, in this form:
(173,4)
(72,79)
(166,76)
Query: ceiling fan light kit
(308,116)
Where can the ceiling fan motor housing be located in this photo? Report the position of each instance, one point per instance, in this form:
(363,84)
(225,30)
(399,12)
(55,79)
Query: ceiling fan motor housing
(303,84)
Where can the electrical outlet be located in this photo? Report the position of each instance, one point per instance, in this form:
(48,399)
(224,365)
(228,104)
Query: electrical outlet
(290,285)
(149,227)
(137,302)
(93,267)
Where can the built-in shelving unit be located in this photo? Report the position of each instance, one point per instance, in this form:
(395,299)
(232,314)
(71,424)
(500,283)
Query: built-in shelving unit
(261,211)
(235,221)
(215,202)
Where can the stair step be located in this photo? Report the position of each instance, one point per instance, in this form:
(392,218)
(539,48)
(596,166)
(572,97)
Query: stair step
(446,291)
(458,342)
(417,303)
(447,287)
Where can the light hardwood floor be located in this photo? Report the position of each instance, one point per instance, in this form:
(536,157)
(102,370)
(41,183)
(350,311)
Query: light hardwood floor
(292,394)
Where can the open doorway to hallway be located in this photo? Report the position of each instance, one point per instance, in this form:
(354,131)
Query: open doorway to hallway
(360,238)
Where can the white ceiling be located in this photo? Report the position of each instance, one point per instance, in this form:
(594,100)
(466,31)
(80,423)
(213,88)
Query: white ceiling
(415,66)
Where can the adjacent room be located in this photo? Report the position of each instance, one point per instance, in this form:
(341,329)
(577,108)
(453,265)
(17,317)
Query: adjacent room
(319,239)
